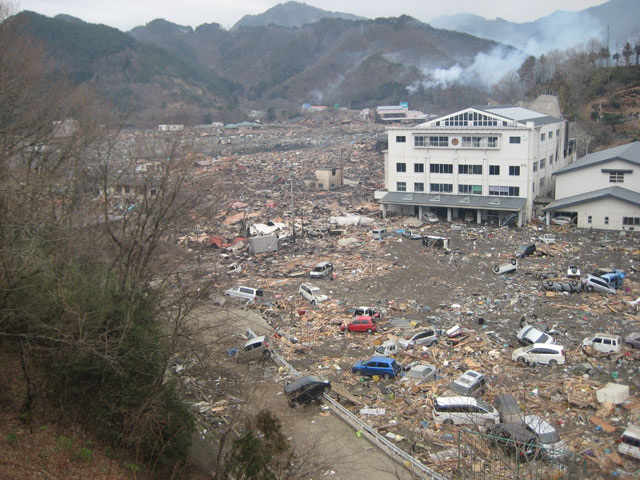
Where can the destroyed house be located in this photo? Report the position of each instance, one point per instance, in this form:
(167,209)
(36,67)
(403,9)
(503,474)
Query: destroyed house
(481,164)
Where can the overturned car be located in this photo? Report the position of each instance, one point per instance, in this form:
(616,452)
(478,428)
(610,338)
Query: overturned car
(508,267)
(565,285)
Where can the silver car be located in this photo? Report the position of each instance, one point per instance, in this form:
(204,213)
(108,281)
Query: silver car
(529,335)
(419,374)
(591,283)
(428,338)
(554,448)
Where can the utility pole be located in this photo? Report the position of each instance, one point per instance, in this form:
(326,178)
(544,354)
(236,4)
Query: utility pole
(293,219)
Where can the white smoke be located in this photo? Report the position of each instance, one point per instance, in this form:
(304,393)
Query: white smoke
(485,70)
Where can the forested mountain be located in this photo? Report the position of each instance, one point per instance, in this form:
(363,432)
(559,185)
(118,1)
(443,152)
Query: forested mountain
(291,14)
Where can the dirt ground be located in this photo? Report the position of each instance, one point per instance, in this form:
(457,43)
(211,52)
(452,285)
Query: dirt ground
(432,287)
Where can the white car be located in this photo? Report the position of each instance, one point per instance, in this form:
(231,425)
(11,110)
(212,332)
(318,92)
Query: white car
(544,353)
(561,220)
(419,374)
(508,267)
(312,293)
(430,217)
(323,269)
(630,442)
(529,335)
(603,343)
(247,293)
(554,448)
(548,238)
(591,283)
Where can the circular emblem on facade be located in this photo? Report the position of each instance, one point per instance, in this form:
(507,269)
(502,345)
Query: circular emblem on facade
(454,142)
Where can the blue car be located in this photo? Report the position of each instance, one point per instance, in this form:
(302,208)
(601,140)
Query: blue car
(614,279)
(383,366)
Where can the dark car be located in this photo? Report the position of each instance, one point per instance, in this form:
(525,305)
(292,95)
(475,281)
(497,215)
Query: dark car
(305,389)
(633,340)
(514,439)
(525,250)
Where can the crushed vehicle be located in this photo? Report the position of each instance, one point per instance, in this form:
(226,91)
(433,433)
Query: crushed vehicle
(234,268)
(455,335)
(507,267)
(603,343)
(525,250)
(387,349)
(552,446)
(430,217)
(633,340)
(255,348)
(514,439)
(591,283)
(305,389)
(360,324)
(629,442)
(412,235)
(379,233)
(312,293)
(562,220)
(247,293)
(433,241)
(421,373)
(427,338)
(573,272)
(542,353)
(548,239)
(382,366)
(321,270)
(615,279)
(463,410)
(469,384)
(367,312)
(508,408)
(529,335)
(571,286)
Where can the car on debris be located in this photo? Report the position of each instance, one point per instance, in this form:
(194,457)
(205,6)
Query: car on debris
(247,293)
(508,408)
(615,279)
(507,267)
(629,442)
(387,349)
(592,283)
(514,439)
(234,268)
(379,233)
(543,353)
(367,312)
(548,239)
(255,348)
(571,286)
(359,324)
(633,340)
(462,410)
(323,269)
(469,384)
(427,338)
(573,272)
(525,250)
(382,366)
(412,235)
(305,389)
(421,373)
(529,335)
(561,220)
(552,446)
(430,217)
(603,343)
(312,293)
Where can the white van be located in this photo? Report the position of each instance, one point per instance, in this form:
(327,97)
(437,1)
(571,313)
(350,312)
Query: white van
(387,349)
(630,442)
(379,233)
(464,411)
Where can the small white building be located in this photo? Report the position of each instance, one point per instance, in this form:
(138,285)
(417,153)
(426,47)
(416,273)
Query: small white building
(601,189)
(481,163)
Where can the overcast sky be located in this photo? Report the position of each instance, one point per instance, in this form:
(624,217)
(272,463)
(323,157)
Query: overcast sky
(126,14)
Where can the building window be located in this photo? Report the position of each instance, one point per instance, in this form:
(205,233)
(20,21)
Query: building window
(479,142)
(470,169)
(630,220)
(401,167)
(470,189)
(616,177)
(401,186)
(541,164)
(441,187)
(557,133)
(438,141)
(514,171)
(492,142)
(542,137)
(441,168)
(418,168)
(504,191)
(535,166)
(418,187)
(606,220)
(541,183)
(550,135)
(550,159)
(401,139)
(589,218)
(494,169)
(514,139)
(419,141)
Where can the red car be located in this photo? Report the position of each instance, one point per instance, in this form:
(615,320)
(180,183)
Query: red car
(363,323)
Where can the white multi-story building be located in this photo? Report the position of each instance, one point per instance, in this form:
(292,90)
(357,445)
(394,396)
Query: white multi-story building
(601,190)
(481,163)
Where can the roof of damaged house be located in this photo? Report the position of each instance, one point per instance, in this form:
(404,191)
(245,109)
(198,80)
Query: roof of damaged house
(610,192)
(447,200)
(629,153)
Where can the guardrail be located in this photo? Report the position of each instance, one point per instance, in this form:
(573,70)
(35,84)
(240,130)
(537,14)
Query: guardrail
(393,451)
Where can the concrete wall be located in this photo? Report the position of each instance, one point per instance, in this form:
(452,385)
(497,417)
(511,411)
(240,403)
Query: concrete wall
(592,178)
(600,210)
